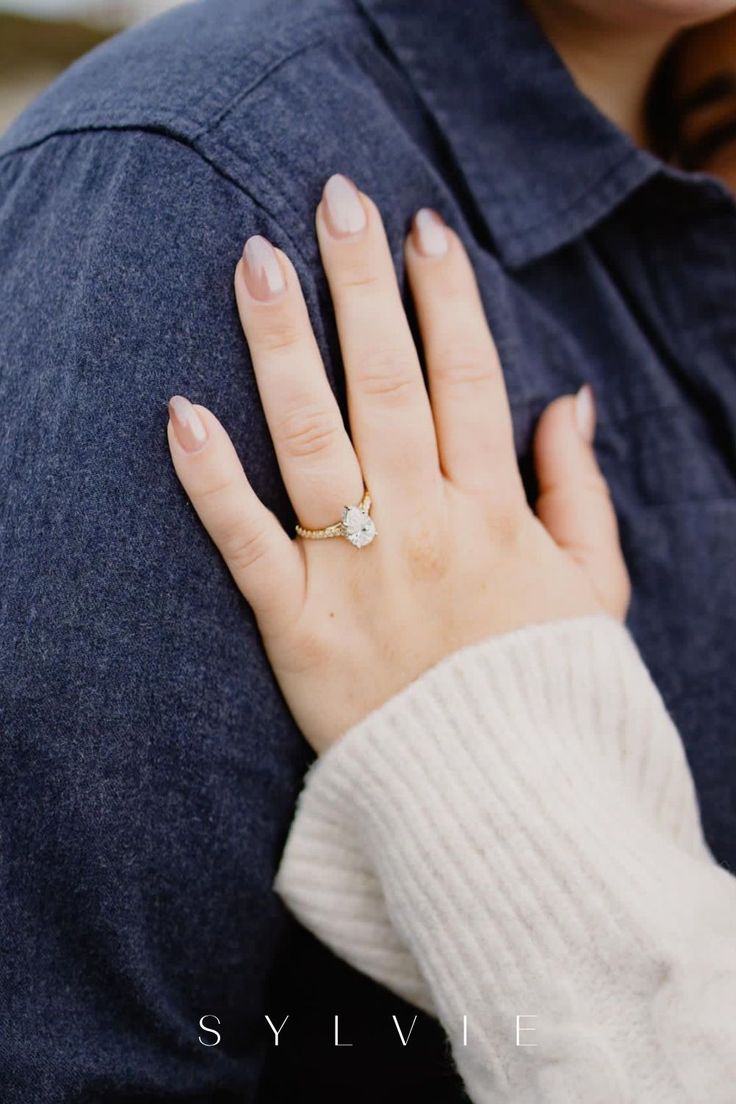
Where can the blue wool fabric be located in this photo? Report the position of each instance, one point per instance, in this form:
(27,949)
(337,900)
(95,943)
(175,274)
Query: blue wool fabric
(148,764)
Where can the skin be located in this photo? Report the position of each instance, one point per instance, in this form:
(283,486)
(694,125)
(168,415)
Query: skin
(459,554)
(612,49)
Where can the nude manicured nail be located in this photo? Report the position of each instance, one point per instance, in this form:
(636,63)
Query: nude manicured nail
(188,426)
(429,233)
(344,210)
(585,413)
(263,275)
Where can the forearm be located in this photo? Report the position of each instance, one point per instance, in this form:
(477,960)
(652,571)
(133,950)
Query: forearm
(523,818)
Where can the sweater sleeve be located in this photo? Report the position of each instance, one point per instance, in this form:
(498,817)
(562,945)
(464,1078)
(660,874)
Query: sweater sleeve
(513,843)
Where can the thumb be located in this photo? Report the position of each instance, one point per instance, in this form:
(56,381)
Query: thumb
(574,503)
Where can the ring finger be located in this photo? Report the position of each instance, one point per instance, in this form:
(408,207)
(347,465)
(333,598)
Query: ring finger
(317,460)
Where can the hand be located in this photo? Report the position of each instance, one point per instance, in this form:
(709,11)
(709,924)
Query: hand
(458,555)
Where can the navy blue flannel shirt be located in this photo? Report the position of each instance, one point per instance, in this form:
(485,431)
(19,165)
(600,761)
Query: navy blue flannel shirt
(148,764)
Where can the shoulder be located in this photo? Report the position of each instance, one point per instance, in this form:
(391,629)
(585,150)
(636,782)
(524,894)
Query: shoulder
(272,95)
(182,71)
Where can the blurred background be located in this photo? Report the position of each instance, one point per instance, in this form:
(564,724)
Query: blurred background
(39,38)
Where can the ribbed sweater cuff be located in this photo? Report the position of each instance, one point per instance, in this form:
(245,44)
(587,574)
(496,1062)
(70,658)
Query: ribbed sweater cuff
(517,814)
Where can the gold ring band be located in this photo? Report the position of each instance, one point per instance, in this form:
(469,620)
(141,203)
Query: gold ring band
(355,525)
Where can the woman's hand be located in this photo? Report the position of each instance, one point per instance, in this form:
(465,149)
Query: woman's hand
(458,555)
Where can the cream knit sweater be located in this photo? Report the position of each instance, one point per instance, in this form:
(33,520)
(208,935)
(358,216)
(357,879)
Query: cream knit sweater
(516,834)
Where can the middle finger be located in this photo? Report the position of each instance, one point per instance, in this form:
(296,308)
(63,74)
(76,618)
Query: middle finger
(390,414)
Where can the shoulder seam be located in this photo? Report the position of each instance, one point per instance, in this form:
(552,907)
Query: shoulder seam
(90,122)
(243,93)
(178,121)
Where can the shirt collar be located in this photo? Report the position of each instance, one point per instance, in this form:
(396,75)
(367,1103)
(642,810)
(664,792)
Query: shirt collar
(541,162)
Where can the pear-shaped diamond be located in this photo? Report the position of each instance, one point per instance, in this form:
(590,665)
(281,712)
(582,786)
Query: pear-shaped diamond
(358,526)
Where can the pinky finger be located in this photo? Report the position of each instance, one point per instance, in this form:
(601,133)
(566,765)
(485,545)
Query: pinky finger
(263,561)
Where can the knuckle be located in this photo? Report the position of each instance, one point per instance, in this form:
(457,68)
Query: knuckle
(308,432)
(314,649)
(278,332)
(311,649)
(425,555)
(358,276)
(215,487)
(463,366)
(388,376)
(507,524)
(242,548)
(395,388)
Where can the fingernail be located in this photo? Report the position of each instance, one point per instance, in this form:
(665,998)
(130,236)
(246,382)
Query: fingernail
(188,426)
(263,275)
(585,413)
(429,233)
(344,210)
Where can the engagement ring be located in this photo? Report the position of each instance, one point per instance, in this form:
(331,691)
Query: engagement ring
(355,525)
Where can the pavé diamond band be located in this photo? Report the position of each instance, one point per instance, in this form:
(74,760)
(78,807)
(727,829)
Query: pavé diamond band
(355,525)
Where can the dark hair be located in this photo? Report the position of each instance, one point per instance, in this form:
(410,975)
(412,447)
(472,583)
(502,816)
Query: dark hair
(667,110)
(663,117)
